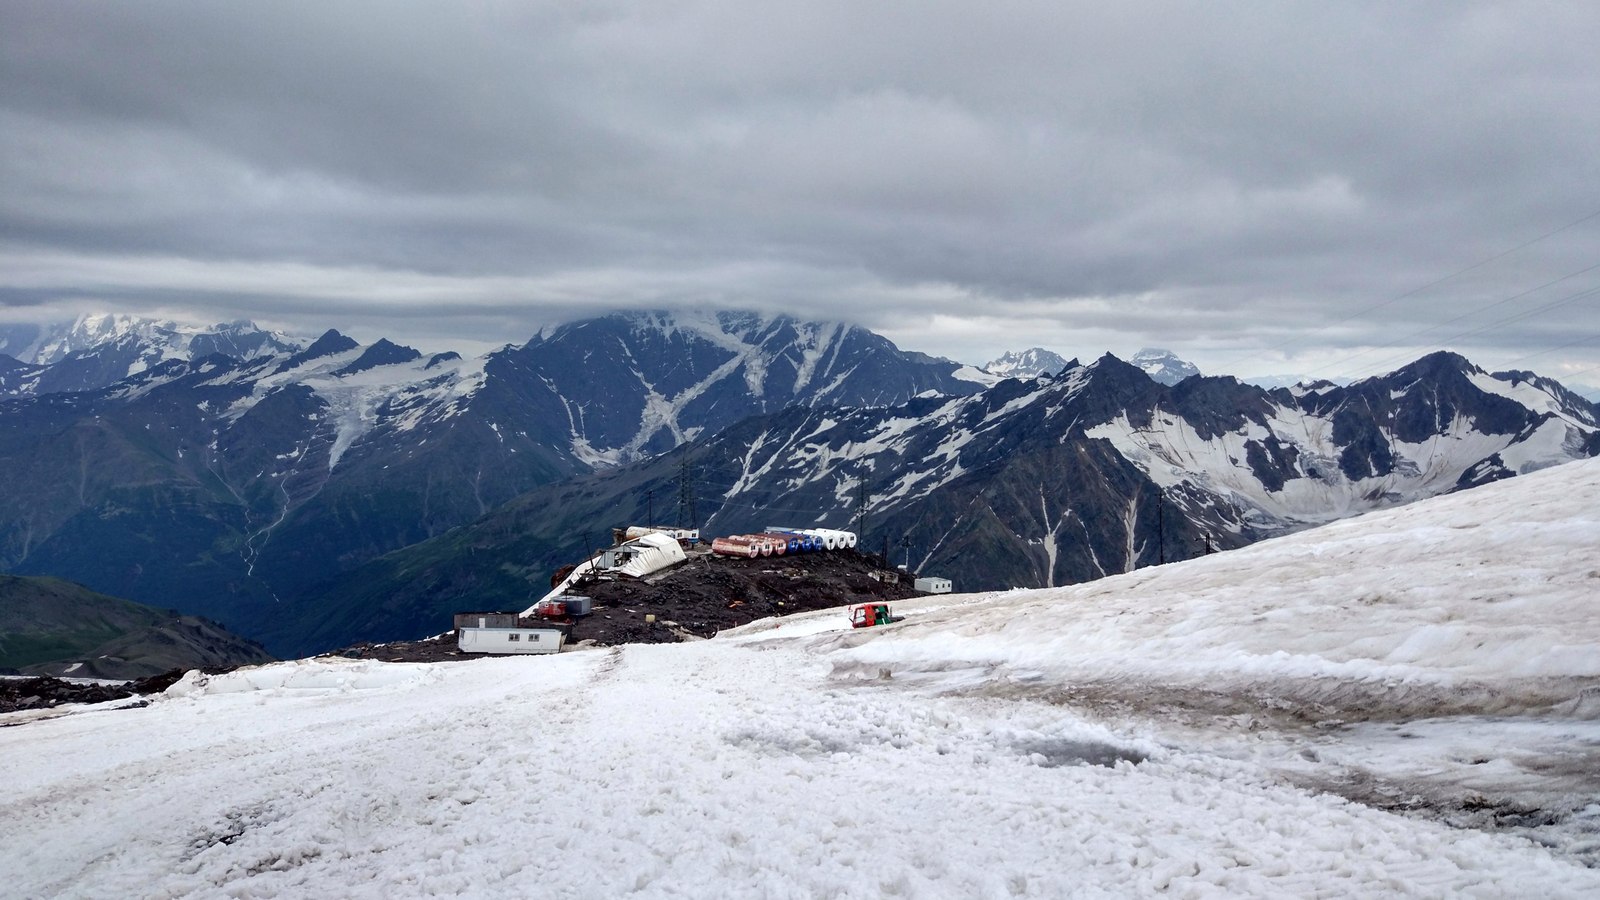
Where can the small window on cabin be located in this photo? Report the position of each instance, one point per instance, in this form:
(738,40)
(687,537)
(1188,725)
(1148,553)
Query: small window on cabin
(513,637)
(533,637)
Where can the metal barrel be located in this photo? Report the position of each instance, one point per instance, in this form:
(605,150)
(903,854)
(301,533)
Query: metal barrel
(736,546)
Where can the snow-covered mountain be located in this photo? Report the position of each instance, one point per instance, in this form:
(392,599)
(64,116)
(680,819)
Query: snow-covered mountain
(241,488)
(1095,472)
(631,384)
(1071,475)
(169,339)
(16,376)
(1030,363)
(213,485)
(1397,705)
(258,476)
(97,350)
(1163,365)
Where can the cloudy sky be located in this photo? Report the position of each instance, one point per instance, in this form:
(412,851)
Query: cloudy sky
(1263,187)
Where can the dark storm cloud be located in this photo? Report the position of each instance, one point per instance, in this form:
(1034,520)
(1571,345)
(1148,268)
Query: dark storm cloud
(1232,181)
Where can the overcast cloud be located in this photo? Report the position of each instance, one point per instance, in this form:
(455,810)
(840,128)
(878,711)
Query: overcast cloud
(1251,185)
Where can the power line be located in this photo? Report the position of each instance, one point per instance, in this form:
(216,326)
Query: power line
(1563,301)
(1434,327)
(726,501)
(763,507)
(1578,374)
(1227,367)
(862,496)
(686,510)
(1583,340)
(1497,303)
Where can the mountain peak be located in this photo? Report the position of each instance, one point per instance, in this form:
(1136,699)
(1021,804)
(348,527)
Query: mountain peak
(93,330)
(330,343)
(1030,363)
(1163,365)
(1441,361)
(383,353)
(156,340)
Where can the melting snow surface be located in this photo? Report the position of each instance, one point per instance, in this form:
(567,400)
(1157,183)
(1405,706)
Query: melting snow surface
(1192,729)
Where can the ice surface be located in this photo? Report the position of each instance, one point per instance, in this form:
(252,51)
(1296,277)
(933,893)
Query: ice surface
(1389,706)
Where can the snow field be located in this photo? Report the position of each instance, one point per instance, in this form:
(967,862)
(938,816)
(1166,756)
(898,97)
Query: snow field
(1442,658)
(1156,733)
(1500,597)
(710,769)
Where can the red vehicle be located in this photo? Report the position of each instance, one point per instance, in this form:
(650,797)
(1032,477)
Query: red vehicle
(867,615)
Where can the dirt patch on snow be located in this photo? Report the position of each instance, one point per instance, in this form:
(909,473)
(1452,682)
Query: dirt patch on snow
(1299,703)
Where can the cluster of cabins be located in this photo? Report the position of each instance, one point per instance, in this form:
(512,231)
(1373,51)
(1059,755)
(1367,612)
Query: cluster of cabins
(640,551)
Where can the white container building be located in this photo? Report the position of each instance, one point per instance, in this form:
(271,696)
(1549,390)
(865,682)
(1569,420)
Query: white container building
(492,639)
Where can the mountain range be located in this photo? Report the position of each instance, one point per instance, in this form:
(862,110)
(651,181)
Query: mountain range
(1097,471)
(224,484)
(1162,366)
(312,493)
(1030,363)
(95,351)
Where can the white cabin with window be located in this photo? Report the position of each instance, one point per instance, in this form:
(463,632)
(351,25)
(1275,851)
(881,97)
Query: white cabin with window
(932,585)
(509,640)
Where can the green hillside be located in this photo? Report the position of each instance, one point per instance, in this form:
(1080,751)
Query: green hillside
(55,627)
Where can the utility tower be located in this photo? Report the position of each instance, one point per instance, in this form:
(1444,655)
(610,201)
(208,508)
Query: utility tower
(1161,527)
(862,496)
(686,511)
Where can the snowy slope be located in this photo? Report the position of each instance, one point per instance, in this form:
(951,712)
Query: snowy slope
(292,467)
(160,340)
(1047,743)
(1488,589)
(1244,462)
(1426,429)
(1030,363)
(629,385)
(1163,365)
(1442,657)
(95,351)
(403,396)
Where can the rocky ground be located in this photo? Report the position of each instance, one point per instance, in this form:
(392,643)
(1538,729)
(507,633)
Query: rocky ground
(44,692)
(697,599)
(710,593)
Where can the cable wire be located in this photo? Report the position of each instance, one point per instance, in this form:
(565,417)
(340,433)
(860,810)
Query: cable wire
(1227,367)
(1466,315)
